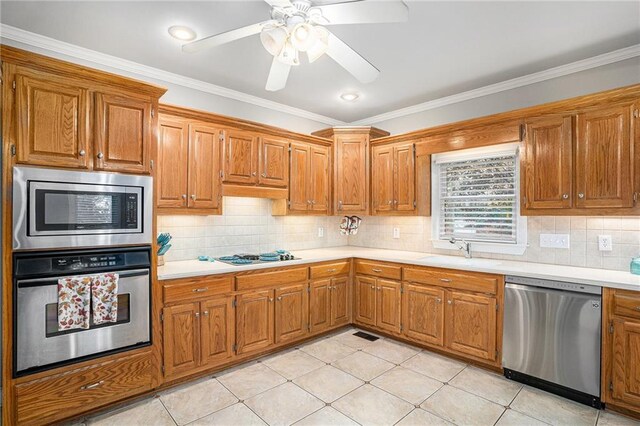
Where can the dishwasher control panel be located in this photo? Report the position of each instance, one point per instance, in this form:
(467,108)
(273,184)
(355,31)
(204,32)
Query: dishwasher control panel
(557,285)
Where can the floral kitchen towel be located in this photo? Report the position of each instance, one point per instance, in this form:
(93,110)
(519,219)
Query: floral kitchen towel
(104,298)
(73,302)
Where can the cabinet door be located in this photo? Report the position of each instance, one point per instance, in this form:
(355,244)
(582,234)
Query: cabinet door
(365,295)
(319,305)
(404,178)
(52,123)
(340,303)
(300,177)
(217,330)
(240,157)
(292,312)
(320,179)
(181,337)
(204,167)
(423,314)
(123,134)
(382,178)
(171,174)
(471,324)
(351,182)
(254,317)
(547,163)
(274,162)
(625,363)
(388,305)
(603,158)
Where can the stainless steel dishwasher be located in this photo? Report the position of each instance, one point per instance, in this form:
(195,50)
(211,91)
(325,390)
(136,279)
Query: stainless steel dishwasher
(552,333)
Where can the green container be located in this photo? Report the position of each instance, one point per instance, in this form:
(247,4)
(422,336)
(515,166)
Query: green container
(635,266)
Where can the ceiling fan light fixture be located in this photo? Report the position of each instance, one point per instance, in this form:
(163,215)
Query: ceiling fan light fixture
(303,36)
(289,55)
(274,39)
(321,44)
(349,96)
(182,33)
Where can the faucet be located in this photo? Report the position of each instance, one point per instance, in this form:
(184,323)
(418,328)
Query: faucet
(462,245)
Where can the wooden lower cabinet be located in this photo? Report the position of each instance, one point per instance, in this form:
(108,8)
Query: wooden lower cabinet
(423,314)
(365,300)
(254,321)
(377,303)
(340,302)
(196,335)
(291,312)
(329,303)
(471,324)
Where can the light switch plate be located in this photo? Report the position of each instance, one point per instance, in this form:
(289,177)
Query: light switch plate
(396,232)
(320,232)
(554,240)
(605,243)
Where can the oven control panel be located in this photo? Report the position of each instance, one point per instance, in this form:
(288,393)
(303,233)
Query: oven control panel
(74,263)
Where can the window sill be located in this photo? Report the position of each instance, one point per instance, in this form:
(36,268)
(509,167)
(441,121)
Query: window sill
(514,249)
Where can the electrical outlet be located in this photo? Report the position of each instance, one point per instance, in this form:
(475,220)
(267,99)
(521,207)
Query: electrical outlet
(320,232)
(605,243)
(554,240)
(396,232)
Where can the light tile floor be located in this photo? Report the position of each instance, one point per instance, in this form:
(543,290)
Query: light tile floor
(346,380)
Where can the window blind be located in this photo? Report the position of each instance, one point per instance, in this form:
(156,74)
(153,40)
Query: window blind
(478,199)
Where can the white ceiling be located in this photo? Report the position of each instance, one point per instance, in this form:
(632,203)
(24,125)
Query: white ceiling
(444,49)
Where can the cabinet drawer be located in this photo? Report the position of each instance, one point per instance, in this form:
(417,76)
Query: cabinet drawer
(329,269)
(378,269)
(64,395)
(198,287)
(479,283)
(626,303)
(270,279)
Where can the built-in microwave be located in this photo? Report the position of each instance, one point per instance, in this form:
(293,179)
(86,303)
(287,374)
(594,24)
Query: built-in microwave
(55,209)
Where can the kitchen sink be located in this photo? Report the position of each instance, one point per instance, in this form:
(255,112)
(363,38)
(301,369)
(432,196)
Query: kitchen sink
(459,261)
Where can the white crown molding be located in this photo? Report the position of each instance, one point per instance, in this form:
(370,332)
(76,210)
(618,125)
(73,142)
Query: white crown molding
(560,71)
(36,40)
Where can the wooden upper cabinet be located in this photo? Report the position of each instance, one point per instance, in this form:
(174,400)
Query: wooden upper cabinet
(382,180)
(300,177)
(423,313)
(217,330)
(320,183)
(471,324)
(604,162)
(547,163)
(274,162)
(240,164)
(204,166)
(404,178)
(351,182)
(52,122)
(123,134)
(171,173)
(291,312)
(254,321)
(181,331)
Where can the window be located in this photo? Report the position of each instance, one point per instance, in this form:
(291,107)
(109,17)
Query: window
(476,198)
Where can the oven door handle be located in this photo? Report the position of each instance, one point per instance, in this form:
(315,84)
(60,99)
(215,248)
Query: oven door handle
(41,282)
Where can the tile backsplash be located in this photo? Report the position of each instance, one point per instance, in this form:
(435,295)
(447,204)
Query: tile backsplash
(247,226)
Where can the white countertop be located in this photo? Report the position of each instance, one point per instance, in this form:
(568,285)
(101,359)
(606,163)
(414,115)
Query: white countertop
(598,277)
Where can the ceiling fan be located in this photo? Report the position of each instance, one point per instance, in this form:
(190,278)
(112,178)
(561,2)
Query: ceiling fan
(299,26)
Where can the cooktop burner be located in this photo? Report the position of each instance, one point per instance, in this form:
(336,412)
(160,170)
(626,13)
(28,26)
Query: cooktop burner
(249,258)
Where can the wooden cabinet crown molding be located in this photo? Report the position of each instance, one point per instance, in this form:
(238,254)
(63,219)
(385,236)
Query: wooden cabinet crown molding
(331,132)
(88,75)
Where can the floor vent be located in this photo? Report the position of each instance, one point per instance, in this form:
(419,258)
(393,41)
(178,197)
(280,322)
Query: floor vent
(369,337)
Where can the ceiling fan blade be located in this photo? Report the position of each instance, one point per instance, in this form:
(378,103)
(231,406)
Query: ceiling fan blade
(365,12)
(222,38)
(278,75)
(351,60)
(279,3)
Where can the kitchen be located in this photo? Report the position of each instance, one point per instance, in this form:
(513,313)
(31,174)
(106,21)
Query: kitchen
(186,243)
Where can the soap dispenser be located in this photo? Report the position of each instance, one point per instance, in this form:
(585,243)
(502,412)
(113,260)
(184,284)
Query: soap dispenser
(635,265)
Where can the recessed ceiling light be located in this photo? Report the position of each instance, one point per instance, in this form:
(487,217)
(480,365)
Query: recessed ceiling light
(349,97)
(182,33)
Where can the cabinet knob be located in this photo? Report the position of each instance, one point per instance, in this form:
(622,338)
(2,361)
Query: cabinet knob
(565,196)
(373,287)
(449,302)
(205,313)
(395,201)
(339,205)
(100,155)
(379,288)
(390,201)
(184,196)
(581,195)
(253,174)
(92,386)
(82,153)
(377,271)
(271,299)
(279,298)
(193,197)
(197,314)
(438,300)
(313,202)
(263,175)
